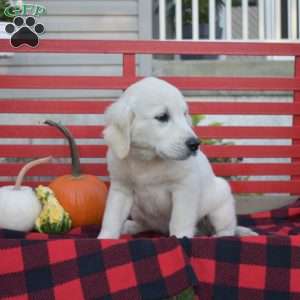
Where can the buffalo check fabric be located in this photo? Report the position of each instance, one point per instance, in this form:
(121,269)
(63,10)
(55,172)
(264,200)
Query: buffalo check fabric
(78,266)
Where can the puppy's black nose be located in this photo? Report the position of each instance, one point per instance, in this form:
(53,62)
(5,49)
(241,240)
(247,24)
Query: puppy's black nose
(192,144)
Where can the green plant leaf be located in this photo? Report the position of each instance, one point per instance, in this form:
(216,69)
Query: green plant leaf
(3,17)
(187,294)
(215,124)
(196,119)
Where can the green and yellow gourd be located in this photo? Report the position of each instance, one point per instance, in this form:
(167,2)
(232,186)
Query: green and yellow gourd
(53,218)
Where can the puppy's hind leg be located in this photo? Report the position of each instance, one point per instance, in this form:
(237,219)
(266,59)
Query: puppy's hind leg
(226,225)
(224,219)
(223,225)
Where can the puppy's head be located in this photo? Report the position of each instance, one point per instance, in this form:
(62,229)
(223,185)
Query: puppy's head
(150,120)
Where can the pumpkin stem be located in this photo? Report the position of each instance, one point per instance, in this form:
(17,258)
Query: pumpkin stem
(27,167)
(73,147)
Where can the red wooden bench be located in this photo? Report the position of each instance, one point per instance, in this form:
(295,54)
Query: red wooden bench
(206,267)
(129,50)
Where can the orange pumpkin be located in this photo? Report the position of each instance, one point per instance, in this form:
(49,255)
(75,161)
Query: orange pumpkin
(82,196)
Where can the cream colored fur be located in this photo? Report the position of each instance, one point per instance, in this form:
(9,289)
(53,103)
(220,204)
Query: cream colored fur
(154,177)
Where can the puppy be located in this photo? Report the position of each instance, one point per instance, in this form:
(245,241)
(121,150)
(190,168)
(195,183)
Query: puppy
(158,175)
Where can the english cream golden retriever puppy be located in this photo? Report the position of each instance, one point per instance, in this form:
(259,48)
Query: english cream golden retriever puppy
(158,175)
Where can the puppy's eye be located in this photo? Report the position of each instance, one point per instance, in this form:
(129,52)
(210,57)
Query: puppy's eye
(163,117)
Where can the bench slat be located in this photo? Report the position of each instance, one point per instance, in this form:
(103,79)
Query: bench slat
(54,169)
(266,186)
(235,83)
(237,186)
(42,131)
(205,132)
(93,151)
(183,83)
(221,169)
(251,151)
(95,107)
(63,82)
(238,108)
(53,106)
(254,132)
(151,47)
(28,151)
(245,169)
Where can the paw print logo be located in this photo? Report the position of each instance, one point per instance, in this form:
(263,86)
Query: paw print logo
(24,31)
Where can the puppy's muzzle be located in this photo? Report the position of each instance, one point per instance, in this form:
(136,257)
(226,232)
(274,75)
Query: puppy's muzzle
(192,144)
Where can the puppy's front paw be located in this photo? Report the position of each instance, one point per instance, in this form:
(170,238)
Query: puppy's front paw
(107,235)
(225,232)
(132,227)
(182,234)
(244,231)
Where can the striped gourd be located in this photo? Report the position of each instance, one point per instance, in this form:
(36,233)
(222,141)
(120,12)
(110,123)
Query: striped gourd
(53,218)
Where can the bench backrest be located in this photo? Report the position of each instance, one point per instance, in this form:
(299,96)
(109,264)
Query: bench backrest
(12,153)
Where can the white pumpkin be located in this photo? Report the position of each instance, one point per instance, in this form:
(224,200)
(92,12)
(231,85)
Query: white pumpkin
(19,206)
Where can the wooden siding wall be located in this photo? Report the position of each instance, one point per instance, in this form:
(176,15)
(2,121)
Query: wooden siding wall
(77,19)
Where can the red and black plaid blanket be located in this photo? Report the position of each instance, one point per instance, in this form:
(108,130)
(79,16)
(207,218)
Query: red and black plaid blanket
(78,266)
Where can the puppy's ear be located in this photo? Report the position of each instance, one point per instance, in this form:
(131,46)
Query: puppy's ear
(117,132)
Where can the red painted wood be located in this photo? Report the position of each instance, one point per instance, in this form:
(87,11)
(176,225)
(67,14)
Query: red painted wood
(183,83)
(29,151)
(233,169)
(53,169)
(238,108)
(235,83)
(129,49)
(230,169)
(129,65)
(296,119)
(266,186)
(53,106)
(32,184)
(250,151)
(259,132)
(64,82)
(159,47)
(85,106)
(93,131)
(38,131)
(237,186)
